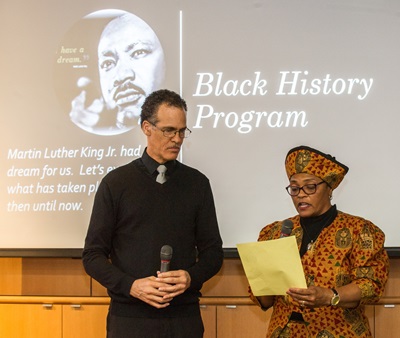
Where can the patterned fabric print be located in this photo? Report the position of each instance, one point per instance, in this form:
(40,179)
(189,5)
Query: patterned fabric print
(349,250)
(311,161)
(292,329)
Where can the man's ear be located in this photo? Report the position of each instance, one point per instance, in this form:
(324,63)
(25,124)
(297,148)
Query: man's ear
(146,127)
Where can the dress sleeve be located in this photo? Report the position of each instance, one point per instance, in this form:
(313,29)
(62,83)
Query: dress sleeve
(370,268)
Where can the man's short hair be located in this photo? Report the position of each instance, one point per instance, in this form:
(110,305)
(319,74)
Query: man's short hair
(155,100)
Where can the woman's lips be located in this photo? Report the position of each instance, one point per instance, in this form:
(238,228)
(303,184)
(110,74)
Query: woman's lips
(303,206)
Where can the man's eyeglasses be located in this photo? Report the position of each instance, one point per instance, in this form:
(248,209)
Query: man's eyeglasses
(183,133)
(309,189)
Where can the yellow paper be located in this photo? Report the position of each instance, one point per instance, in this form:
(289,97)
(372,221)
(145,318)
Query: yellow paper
(272,267)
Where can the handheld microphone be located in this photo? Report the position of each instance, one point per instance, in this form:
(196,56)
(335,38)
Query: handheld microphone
(286,229)
(165,255)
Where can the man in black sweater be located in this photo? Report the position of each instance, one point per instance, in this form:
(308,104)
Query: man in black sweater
(134,216)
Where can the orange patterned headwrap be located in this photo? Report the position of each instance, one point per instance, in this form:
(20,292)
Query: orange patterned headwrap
(307,160)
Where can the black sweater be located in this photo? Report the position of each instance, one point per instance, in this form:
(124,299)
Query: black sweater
(133,217)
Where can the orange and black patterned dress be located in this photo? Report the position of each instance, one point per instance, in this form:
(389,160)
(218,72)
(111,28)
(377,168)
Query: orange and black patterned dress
(349,250)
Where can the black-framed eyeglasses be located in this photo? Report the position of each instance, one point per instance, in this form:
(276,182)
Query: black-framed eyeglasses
(309,189)
(183,133)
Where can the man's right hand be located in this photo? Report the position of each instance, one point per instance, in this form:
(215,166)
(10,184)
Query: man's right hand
(147,290)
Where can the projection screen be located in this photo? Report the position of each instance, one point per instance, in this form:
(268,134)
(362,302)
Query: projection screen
(259,78)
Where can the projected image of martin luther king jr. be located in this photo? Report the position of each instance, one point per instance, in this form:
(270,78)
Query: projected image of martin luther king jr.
(131,65)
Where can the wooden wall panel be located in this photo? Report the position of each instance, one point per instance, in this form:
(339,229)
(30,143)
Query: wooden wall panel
(55,277)
(242,321)
(30,321)
(86,321)
(66,277)
(98,290)
(10,276)
(393,286)
(370,313)
(230,281)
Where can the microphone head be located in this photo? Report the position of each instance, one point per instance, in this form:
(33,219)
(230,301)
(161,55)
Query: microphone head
(287,226)
(166,253)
